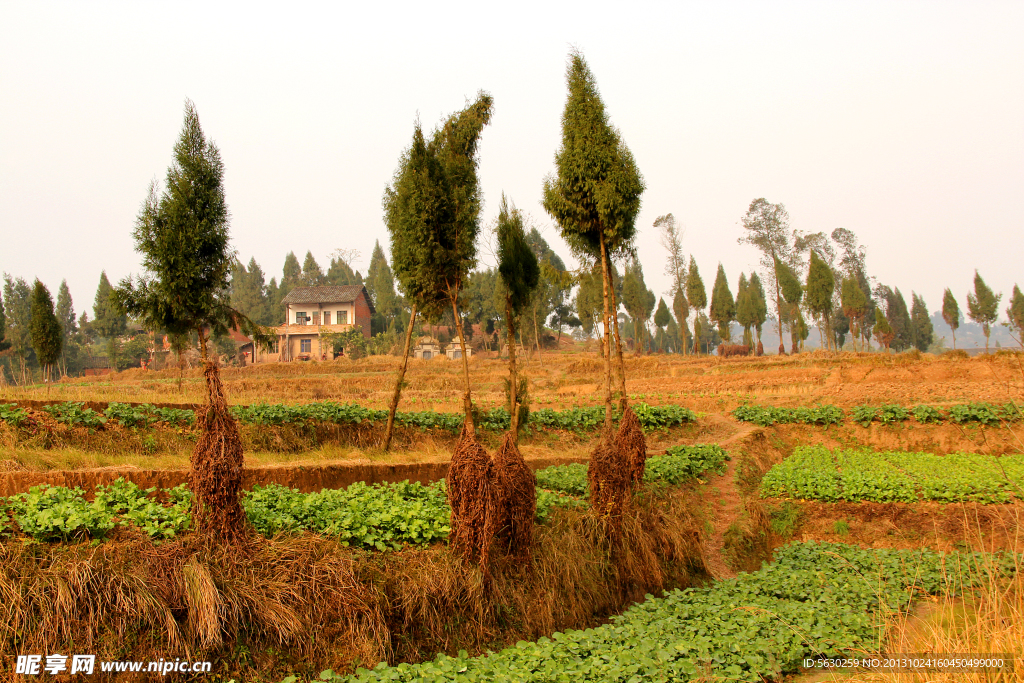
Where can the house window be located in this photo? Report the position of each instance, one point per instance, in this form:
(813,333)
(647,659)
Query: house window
(327,317)
(305,345)
(276,347)
(300,318)
(343,317)
(316,318)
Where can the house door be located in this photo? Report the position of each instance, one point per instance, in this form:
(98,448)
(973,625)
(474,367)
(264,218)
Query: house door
(426,355)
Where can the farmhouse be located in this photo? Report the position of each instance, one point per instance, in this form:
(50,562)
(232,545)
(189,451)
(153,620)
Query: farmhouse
(454,350)
(312,311)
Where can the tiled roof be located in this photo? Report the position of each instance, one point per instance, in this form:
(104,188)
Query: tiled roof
(326,294)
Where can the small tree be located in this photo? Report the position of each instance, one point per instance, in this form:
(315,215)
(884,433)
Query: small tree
(108,320)
(47,333)
(634,298)
(983,306)
(698,299)
(1015,314)
(662,318)
(745,313)
(792,294)
(820,285)
(520,273)
(681,307)
(723,306)
(883,331)
(922,333)
(182,234)
(951,312)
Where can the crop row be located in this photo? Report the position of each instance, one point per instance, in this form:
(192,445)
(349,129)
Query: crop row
(374,517)
(496,419)
(816,473)
(679,464)
(814,600)
(889,413)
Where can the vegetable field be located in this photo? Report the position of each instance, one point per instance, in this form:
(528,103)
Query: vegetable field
(814,600)
(816,473)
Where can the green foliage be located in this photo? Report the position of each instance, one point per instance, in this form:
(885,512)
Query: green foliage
(723,307)
(883,331)
(56,513)
(547,501)
(951,312)
(182,234)
(374,517)
(12,414)
(927,414)
(841,527)
(864,414)
(984,413)
(821,284)
(815,600)
(661,316)
(1014,313)
(129,416)
(133,505)
(679,464)
(47,333)
(768,415)
(983,306)
(107,320)
(75,413)
(922,334)
(816,473)
(784,519)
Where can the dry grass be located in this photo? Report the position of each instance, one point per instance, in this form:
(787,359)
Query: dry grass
(304,603)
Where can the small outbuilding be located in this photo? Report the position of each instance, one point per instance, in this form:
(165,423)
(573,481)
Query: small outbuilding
(426,348)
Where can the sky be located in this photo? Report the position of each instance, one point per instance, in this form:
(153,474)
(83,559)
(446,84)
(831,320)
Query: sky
(900,121)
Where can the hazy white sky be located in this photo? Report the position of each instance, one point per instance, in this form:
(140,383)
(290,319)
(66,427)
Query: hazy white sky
(901,121)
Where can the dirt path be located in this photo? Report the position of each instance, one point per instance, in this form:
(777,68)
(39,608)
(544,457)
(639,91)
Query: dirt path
(725,505)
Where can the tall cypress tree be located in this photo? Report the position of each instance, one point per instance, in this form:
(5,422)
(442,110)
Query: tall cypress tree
(820,286)
(759,303)
(983,306)
(698,299)
(1015,314)
(921,332)
(4,344)
(65,312)
(854,304)
(109,321)
(951,312)
(898,318)
(723,306)
(767,227)
(681,307)
(745,313)
(519,271)
(182,234)
(312,274)
(292,276)
(47,333)
(634,298)
(595,195)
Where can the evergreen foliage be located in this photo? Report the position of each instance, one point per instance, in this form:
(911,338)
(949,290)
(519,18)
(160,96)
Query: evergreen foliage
(4,344)
(637,299)
(745,313)
(921,332)
(312,274)
(854,304)
(723,306)
(983,306)
(249,293)
(662,317)
(182,234)
(291,278)
(898,318)
(380,285)
(47,333)
(883,331)
(698,299)
(951,312)
(681,307)
(820,287)
(759,304)
(595,195)
(1015,314)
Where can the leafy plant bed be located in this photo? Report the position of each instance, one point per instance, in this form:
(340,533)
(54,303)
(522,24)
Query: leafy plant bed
(815,600)
(327,412)
(983,413)
(817,473)
(678,465)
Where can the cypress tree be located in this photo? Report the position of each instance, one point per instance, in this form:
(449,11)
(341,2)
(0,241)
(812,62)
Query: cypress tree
(1015,313)
(698,300)
(595,195)
(681,307)
(520,274)
(292,276)
(108,320)
(792,293)
(820,286)
(883,331)
(759,304)
(898,318)
(921,332)
(951,312)
(312,274)
(983,306)
(47,333)
(340,273)
(634,298)
(745,314)
(182,234)
(65,312)
(854,304)
(723,306)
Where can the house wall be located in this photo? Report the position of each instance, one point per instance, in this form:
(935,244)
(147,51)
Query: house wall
(362,314)
(333,309)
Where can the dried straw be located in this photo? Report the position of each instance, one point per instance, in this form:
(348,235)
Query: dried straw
(632,445)
(515,497)
(471,497)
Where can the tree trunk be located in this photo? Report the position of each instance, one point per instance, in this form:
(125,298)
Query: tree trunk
(513,377)
(536,335)
(618,339)
(954,337)
(778,306)
(467,399)
(607,339)
(393,408)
